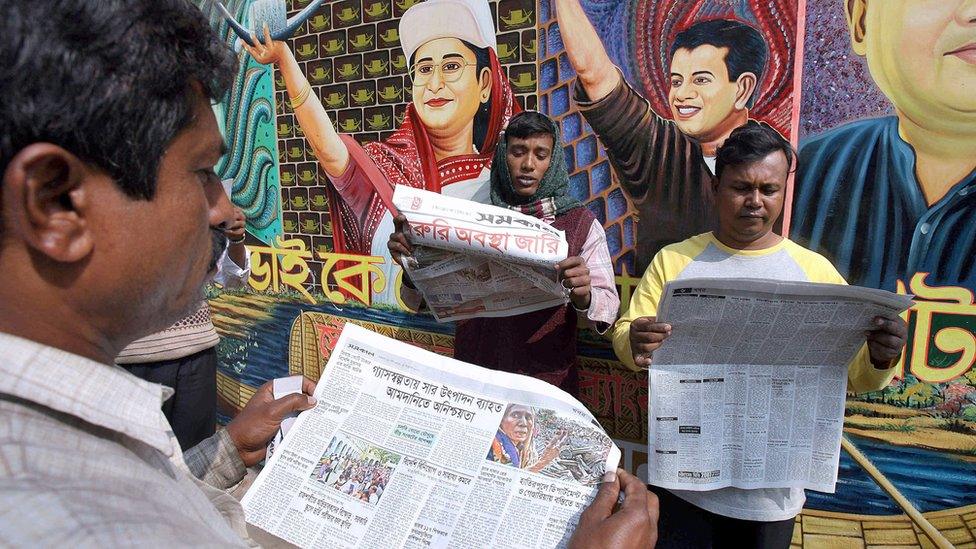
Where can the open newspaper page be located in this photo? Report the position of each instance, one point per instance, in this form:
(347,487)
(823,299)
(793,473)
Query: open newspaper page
(407,448)
(473,259)
(749,389)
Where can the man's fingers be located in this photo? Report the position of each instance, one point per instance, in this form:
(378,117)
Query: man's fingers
(290,404)
(308,386)
(885,339)
(648,337)
(267,35)
(649,324)
(569,263)
(606,498)
(641,360)
(635,492)
(895,326)
(400,222)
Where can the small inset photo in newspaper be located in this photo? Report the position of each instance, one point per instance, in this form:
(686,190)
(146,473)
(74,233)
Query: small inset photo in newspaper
(356,468)
(540,441)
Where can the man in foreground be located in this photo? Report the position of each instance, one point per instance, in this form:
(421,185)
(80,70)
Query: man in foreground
(107,129)
(749,187)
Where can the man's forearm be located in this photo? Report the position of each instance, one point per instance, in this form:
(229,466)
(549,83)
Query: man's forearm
(589,58)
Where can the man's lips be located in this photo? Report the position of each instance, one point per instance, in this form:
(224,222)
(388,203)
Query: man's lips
(686,111)
(437,102)
(967,53)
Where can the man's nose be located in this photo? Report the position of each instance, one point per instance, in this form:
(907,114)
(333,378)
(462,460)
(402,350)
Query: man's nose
(753,199)
(221,210)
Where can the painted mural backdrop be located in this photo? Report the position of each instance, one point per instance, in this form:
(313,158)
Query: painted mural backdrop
(886,217)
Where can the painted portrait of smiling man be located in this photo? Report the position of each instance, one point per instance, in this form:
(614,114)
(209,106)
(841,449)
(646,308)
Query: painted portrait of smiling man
(700,70)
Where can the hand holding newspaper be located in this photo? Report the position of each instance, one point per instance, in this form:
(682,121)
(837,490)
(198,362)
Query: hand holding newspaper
(749,389)
(473,259)
(407,448)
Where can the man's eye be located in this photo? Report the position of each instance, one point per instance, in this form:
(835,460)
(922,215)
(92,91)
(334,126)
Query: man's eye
(452,66)
(206,176)
(701,81)
(425,69)
(675,82)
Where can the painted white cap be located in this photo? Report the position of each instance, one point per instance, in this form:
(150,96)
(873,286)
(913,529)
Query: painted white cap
(468,20)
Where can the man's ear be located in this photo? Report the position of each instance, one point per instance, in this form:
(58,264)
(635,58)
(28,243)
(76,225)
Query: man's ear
(856,11)
(45,202)
(746,88)
(485,85)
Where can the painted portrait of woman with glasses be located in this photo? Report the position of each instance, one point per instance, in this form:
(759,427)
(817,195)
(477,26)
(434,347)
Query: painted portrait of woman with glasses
(461,101)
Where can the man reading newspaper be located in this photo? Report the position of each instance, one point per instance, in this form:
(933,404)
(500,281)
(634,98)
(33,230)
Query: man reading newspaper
(529,175)
(750,185)
(106,126)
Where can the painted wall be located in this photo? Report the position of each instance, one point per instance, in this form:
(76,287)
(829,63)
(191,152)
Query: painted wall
(920,432)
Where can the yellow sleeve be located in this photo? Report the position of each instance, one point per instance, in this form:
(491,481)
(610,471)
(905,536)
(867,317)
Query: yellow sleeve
(862,376)
(666,265)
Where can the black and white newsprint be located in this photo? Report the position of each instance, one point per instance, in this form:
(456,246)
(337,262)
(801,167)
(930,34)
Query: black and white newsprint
(749,389)
(407,448)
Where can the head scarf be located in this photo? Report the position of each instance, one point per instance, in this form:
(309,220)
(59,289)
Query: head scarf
(552,198)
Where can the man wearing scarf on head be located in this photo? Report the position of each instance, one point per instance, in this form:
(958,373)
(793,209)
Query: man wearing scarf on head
(529,175)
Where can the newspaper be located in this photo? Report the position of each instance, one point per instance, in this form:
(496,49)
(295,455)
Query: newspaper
(749,389)
(406,448)
(473,260)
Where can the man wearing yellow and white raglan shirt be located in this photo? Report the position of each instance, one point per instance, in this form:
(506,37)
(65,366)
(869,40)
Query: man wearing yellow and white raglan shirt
(752,167)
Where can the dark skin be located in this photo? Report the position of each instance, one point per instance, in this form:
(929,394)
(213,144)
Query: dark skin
(79,275)
(629,525)
(234,230)
(749,200)
(528,160)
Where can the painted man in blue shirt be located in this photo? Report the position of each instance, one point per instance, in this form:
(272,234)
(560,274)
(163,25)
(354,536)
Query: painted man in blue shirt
(887,198)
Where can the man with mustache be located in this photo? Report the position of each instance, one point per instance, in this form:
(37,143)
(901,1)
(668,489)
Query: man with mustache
(98,139)
(184,356)
(750,188)
(666,166)
(890,197)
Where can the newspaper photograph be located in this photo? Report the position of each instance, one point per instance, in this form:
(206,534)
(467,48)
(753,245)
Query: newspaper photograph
(749,389)
(473,259)
(407,448)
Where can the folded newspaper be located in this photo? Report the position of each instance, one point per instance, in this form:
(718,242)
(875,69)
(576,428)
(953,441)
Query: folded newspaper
(749,389)
(473,260)
(407,448)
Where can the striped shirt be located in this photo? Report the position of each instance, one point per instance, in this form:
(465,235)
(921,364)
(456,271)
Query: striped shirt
(87,459)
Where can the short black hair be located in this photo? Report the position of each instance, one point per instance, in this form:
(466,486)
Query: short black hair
(111,81)
(751,143)
(483,117)
(529,123)
(748,51)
